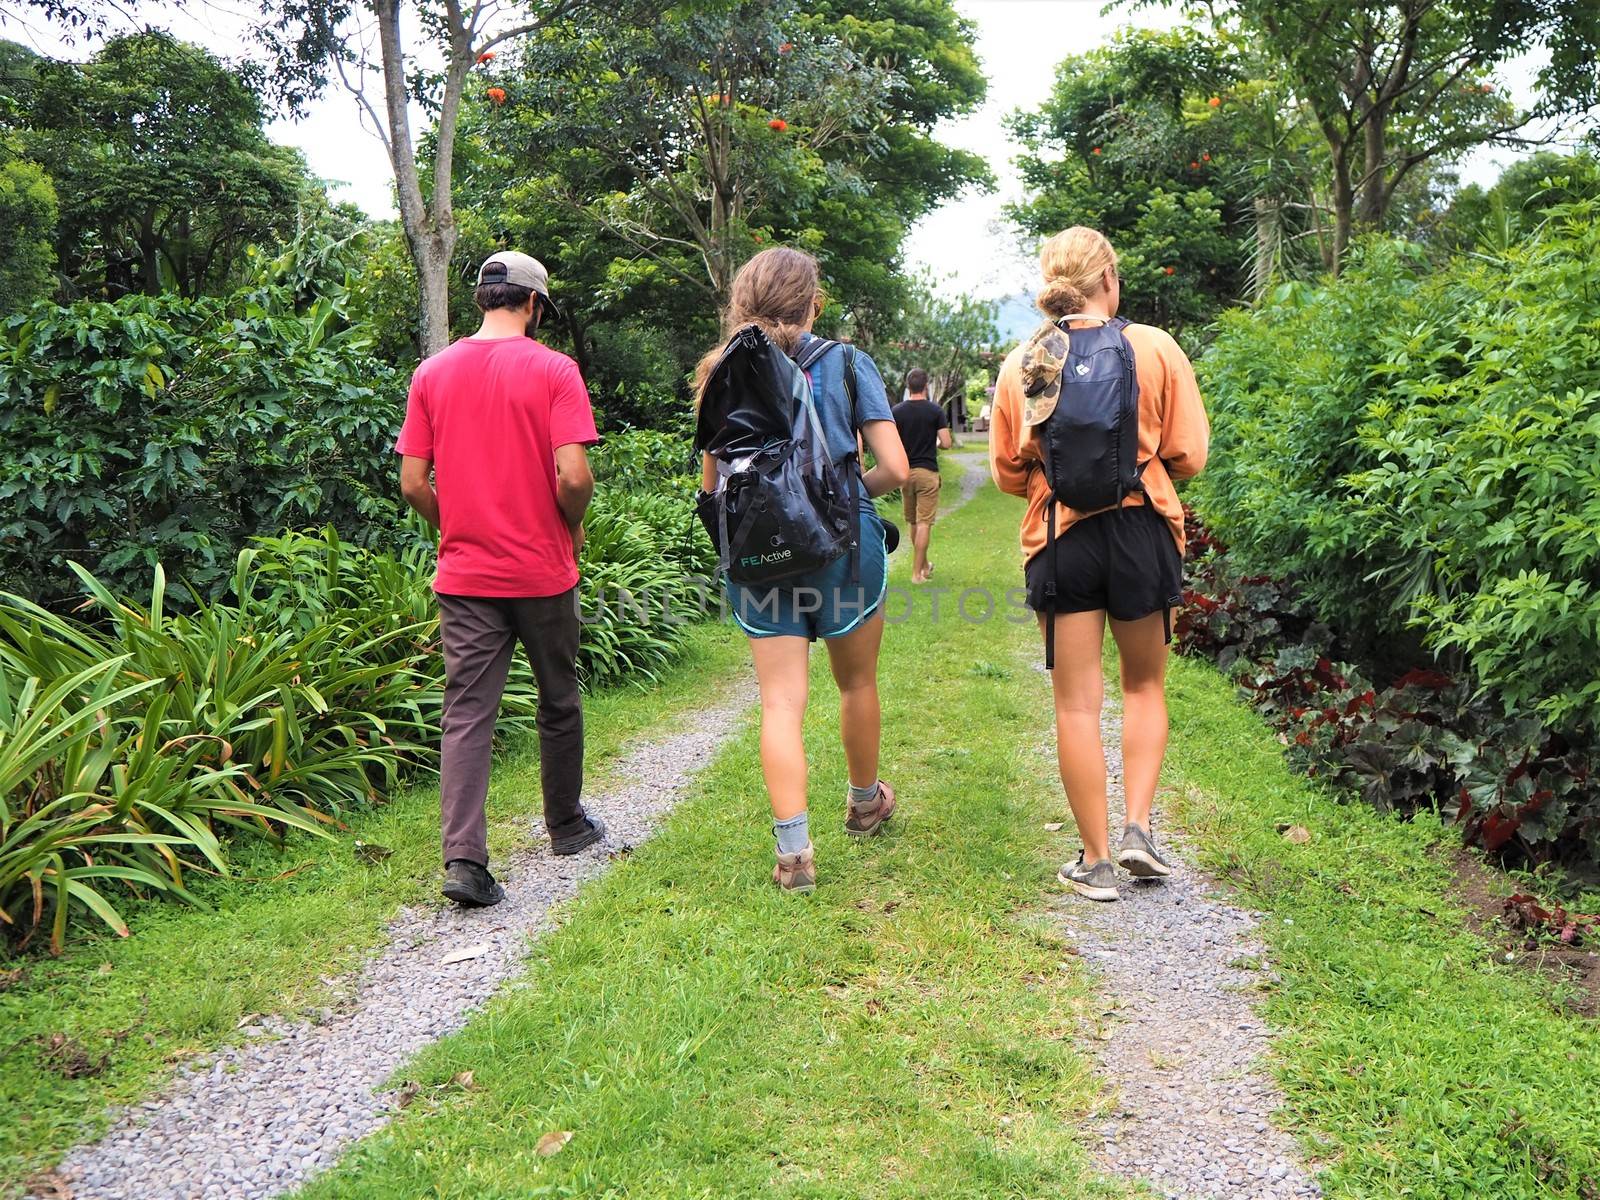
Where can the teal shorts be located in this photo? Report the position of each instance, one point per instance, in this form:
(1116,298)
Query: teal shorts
(821,604)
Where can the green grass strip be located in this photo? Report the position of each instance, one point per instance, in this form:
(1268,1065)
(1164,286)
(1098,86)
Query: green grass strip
(1414,1063)
(180,985)
(905,1031)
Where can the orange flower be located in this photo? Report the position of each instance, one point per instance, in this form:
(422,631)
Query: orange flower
(1170,270)
(785,48)
(1096,150)
(1215,102)
(778,123)
(725,99)
(1205,158)
(486,56)
(1193,166)
(497,95)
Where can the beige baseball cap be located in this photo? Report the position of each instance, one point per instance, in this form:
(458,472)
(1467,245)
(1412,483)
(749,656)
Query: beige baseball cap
(520,270)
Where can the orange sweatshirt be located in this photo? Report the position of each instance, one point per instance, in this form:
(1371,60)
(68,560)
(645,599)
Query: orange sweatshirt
(1173,430)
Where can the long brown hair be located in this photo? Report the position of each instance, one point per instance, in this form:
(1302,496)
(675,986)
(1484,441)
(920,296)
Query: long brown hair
(1072,263)
(778,290)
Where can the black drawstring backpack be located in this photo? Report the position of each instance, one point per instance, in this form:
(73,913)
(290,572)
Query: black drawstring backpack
(782,506)
(1091,439)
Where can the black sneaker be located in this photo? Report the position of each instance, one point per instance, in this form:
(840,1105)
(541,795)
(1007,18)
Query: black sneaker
(581,840)
(470,885)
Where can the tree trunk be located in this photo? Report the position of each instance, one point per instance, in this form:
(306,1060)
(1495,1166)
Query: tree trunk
(431,251)
(430,235)
(149,255)
(580,343)
(1374,191)
(1344,200)
(1269,235)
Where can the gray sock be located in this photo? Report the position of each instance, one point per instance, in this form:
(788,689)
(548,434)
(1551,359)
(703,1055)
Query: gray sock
(794,835)
(864,795)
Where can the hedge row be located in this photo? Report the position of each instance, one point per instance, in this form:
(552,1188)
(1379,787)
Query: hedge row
(1418,447)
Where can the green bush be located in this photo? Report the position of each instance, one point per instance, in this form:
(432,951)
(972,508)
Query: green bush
(130,746)
(651,476)
(152,431)
(1419,447)
(134,740)
(645,460)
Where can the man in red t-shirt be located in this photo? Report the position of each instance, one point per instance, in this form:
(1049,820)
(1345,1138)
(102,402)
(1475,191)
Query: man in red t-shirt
(501,423)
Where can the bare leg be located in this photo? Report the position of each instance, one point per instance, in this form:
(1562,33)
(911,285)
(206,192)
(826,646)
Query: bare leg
(1142,648)
(920,533)
(854,659)
(1079,687)
(781,670)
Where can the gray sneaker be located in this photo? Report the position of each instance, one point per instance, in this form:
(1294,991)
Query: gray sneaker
(1138,855)
(1097,880)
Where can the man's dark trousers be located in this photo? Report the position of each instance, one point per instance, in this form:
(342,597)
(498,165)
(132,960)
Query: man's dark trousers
(480,635)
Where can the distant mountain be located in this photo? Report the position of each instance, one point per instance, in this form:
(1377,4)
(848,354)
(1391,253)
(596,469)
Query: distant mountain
(1015,318)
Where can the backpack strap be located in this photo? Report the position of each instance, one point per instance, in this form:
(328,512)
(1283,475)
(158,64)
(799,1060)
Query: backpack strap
(850,390)
(1050,582)
(814,351)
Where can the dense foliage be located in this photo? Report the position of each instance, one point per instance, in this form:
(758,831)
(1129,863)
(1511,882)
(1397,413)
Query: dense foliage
(135,740)
(1140,139)
(28,215)
(1390,89)
(148,431)
(646,163)
(1419,446)
(1400,739)
(157,153)
(131,743)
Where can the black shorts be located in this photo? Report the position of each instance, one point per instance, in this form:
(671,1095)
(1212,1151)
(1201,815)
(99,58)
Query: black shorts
(1123,561)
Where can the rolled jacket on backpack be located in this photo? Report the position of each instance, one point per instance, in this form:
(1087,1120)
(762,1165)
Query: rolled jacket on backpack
(783,507)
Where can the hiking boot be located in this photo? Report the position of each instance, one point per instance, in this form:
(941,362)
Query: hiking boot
(864,820)
(796,872)
(581,840)
(1097,880)
(1138,855)
(470,885)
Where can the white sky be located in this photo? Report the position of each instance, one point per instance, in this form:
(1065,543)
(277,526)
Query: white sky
(965,242)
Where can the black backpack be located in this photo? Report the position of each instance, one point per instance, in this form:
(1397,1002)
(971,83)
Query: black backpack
(1091,439)
(782,506)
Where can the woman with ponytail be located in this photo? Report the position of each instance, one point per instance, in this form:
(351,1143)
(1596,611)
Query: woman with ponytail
(780,291)
(1126,565)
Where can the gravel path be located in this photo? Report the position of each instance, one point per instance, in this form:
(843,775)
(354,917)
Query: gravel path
(976,474)
(1180,1036)
(262,1117)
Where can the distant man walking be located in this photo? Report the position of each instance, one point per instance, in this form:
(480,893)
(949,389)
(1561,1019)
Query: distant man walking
(925,430)
(501,422)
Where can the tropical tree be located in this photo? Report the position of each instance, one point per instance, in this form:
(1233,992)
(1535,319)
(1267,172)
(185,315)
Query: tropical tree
(158,156)
(1395,85)
(947,333)
(614,157)
(312,43)
(1136,140)
(700,134)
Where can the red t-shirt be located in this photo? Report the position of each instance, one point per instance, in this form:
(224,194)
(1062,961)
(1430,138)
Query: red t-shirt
(490,413)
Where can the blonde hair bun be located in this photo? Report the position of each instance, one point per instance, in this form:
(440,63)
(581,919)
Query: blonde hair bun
(1072,263)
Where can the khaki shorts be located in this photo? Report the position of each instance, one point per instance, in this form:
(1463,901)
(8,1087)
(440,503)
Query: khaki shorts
(921,496)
